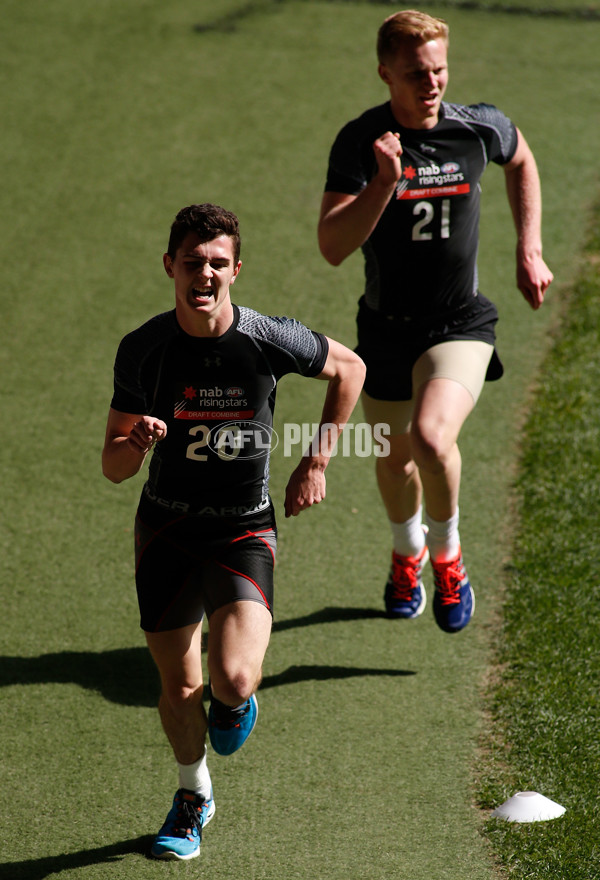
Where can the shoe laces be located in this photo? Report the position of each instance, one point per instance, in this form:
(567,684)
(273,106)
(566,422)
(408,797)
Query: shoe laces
(405,575)
(448,579)
(187,818)
(227,717)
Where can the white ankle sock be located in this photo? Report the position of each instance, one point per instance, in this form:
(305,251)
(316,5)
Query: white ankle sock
(195,777)
(409,538)
(443,539)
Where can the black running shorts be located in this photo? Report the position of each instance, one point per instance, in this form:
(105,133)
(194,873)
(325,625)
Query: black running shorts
(189,565)
(391,345)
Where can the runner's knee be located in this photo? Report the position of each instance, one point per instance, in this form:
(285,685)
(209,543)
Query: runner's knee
(432,444)
(234,685)
(394,465)
(399,460)
(181,697)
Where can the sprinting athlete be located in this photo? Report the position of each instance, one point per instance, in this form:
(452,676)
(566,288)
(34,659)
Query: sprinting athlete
(403,185)
(197,386)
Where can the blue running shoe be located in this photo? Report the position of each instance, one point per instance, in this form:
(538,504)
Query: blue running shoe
(404,592)
(454,599)
(229,728)
(181,835)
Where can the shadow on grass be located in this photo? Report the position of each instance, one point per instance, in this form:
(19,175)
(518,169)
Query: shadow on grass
(38,869)
(296,674)
(127,676)
(328,615)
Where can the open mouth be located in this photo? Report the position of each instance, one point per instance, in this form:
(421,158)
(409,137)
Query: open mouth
(202,295)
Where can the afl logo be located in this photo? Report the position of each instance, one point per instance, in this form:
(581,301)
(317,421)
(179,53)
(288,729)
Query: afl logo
(242,440)
(450,167)
(234,391)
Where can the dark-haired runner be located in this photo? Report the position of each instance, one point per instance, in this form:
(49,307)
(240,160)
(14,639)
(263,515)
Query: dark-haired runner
(197,386)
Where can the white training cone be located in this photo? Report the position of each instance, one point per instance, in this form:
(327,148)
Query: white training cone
(528,806)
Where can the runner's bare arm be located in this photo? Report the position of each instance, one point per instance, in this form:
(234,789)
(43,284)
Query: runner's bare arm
(345,373)
(128,440)
(525,198)
(346,221)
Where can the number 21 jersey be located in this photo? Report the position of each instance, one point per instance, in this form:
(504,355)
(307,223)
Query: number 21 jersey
(421,259)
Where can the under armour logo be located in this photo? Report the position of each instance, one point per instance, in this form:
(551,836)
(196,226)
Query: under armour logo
(213,361)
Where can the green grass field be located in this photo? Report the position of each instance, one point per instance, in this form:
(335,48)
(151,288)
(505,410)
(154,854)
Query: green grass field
(368,757)
(545,704)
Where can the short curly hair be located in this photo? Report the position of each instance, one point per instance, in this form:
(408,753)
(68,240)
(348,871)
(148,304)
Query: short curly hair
(208,222)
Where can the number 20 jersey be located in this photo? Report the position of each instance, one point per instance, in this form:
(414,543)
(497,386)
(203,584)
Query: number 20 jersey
(217,397)
(422,256)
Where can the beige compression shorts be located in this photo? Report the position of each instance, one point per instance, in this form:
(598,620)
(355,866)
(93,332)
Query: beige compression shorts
(464,360)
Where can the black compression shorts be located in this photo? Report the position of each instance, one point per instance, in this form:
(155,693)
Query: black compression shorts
(390,346)
(189,565)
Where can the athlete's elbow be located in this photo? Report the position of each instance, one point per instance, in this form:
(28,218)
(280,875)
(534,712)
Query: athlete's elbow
(329,243)
(114,478)
(332,254)
(358,373)
(110,472)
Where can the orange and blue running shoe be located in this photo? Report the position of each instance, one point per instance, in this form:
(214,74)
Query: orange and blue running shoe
(454,599)
(181,835)
(404,592)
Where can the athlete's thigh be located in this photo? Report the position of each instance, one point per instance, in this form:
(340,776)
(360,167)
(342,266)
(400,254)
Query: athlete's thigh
(178,655)
(390,418)
(240,568)
(441,409)
(448,379)
(464,361)
(169,557)
(238,637)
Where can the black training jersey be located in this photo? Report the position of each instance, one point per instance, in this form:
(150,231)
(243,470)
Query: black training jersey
(217,397)
(422,256)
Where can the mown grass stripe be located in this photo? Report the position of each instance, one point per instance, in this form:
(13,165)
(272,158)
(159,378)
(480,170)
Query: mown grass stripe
(547,701)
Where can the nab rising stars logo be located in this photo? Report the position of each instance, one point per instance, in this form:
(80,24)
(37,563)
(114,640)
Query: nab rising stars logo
(195,403)
(431,181)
